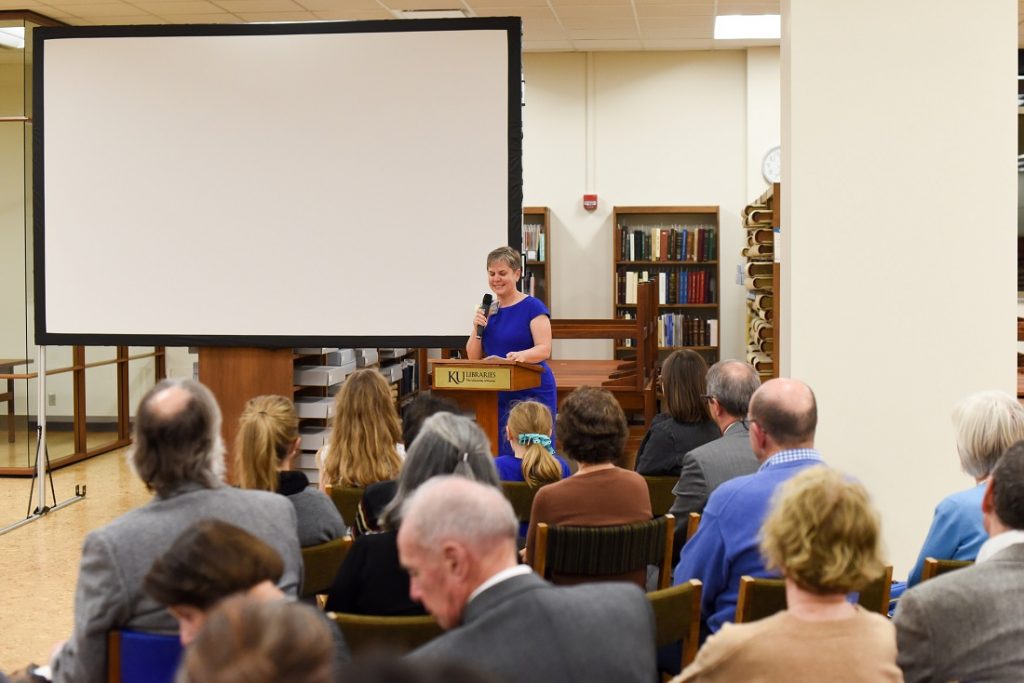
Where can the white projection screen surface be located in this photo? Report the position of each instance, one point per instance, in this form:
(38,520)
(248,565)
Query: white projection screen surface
(273,185)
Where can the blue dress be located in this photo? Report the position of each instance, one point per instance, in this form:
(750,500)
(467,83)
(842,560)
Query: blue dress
(510,468)
(509,330)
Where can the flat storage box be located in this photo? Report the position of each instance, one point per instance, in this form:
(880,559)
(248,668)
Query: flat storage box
(315,351)
(320,375)
(314,408)
(392,373)
(341,357)
(313,438)
(306,462)
(366,357)
(393,353)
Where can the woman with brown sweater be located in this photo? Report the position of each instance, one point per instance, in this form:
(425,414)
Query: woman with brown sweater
(593,431)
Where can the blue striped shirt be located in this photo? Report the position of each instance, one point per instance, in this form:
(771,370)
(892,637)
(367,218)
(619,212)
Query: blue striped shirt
(791,455)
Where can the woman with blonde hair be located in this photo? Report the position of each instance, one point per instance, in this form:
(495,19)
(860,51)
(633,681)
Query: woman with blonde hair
(365,442)
(823,535)
(533,460)
(265,448)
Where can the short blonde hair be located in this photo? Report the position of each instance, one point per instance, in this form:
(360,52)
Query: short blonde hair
(823,533)
(986,424)
(506,256)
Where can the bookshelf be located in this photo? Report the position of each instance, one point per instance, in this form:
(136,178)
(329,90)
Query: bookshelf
(761,220)
(537,250)
(678,247)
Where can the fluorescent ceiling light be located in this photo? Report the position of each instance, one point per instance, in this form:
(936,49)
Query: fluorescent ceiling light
(749,26)
(13,36)
(429,14)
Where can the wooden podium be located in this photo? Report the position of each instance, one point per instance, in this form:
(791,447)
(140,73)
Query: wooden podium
(474,385)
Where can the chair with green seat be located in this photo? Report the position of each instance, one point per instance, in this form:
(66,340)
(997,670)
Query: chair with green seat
(392,635)
(660,490)
(320,565)
(520,495)
(603,551)
(346,499)
(677,617)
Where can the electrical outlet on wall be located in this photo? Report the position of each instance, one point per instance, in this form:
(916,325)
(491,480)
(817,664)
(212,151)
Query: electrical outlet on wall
(51,400)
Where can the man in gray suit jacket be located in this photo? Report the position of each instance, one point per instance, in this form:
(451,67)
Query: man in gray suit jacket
(730,384)
(458,543)
(178,454)
(969,624)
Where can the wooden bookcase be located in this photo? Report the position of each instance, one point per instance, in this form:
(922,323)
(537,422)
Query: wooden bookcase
(679,247)
(537,250)
(761,218)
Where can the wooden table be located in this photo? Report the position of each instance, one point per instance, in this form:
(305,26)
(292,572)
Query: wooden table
(6,368)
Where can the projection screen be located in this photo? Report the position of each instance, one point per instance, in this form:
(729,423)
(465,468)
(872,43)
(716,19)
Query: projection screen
(315,184)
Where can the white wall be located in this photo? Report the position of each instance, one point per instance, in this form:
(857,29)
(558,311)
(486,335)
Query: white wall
(651,128)
(898,234)
(764,113)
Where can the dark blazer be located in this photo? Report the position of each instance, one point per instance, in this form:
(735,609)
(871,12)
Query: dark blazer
(525,630)
(965,625)
(667,441)
(705,469)
(371,580)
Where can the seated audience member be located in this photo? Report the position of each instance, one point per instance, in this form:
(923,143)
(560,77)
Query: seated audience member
(593,430)
(364,445)
(730,384)
(371,580)
(823,535)
(260,642)
(178,454)
(265,448)
(986,424)
(378,669)
(968,625)
(685,422)
(783,418)
(533,461)
(211,561)
(458,542)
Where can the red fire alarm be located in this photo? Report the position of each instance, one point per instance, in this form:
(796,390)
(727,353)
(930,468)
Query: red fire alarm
(590,202)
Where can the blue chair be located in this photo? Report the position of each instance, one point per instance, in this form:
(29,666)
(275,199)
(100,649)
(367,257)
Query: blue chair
(137,657)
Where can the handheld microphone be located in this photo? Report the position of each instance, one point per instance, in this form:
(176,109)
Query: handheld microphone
(486,305)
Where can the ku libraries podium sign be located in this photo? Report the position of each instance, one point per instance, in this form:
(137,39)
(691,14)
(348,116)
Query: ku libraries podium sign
(494,379)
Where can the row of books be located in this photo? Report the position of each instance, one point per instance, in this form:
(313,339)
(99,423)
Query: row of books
(678,329)
(676,286)
(533,241)
(529,283)
(667,243)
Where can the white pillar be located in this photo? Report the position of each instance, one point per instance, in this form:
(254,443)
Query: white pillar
(898,137)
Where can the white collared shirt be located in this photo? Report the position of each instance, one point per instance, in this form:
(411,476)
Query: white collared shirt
(503,575)
(999,542)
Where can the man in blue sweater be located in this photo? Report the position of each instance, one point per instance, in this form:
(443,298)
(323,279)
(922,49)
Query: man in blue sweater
(782,418)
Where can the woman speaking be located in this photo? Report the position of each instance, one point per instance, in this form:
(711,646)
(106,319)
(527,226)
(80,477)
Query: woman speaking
(517,327)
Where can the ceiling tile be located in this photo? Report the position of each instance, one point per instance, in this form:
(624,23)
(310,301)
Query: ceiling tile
(618,33)
(558,4)
(663,10)
(123,21)
(546,46)
(423,4)
(204,19)
(511,8)
(262,17)
(678,44)
(607,45)
(252,6)
(165,9)
(20,4)
(544,30)
(748,7)
(528,14)
(352,15)
(340,6)
(92,10)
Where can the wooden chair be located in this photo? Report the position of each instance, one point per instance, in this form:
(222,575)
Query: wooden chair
(346,499)
(760,598)
(691,524)
(520,494)
(394,635)
(934,567)
(660,490)
(599,551)
(320,565)
(677,617)
(138,657)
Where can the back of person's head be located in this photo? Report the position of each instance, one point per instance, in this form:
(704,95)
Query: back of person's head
(267,431)
(1008,487)
(529,423)
(419,409)
(591,426)
(365,431)
(732,383)
(447,444)
(786,410)
(683,376)
(453,508)
(246,641)
(380,669)
(208,562)
(986,424)
(823,533)
(177,437)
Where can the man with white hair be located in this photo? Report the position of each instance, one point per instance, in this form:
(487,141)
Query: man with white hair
(458,543)
(179,455)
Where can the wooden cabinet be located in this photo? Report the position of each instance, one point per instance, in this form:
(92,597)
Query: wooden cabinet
(537,251)
(678,248)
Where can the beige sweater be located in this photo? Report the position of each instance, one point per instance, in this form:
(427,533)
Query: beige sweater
(784,648)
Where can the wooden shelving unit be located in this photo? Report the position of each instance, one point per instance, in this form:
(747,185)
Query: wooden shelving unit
(678,246)
(761,219)
(537,249)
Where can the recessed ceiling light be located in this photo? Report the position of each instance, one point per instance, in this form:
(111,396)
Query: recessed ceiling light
(748,26)
(429,14)
(13,37)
